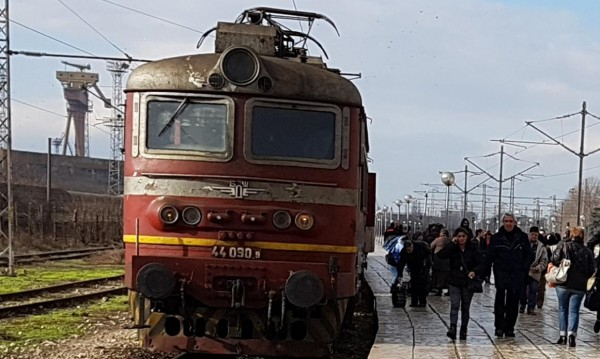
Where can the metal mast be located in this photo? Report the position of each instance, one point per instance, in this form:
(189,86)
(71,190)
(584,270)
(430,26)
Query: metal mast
(115,166)
(7,204)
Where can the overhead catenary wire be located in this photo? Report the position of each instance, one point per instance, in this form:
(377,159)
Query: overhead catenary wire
(69,56)
(296,8)
(557,117)
(543,142)
(50,37)
(103,100)
(152,16)
(93,28)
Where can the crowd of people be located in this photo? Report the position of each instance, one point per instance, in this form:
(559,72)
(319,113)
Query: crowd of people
(457,265)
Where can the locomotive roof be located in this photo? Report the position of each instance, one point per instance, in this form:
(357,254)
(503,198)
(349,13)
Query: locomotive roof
(291,79)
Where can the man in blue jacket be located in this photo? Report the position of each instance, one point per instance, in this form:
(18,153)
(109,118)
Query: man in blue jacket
(510,255)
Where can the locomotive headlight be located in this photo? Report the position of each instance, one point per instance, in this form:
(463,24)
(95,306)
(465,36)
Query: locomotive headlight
(169,214)
(240,66)
(282,219)
(304,221)
(191,216)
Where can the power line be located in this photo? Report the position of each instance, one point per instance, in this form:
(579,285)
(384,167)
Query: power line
(39,108)
(93,28)
(152,16)
(50,37)
(45,54)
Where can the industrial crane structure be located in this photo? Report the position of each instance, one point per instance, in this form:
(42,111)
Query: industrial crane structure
(76,86)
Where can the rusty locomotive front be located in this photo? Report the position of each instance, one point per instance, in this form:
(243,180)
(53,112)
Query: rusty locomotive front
(248,204)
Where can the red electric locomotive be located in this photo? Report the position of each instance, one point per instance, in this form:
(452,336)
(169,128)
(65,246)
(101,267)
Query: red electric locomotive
(249,207)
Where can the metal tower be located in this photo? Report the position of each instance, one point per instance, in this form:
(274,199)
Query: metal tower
(6,196)
(116,124)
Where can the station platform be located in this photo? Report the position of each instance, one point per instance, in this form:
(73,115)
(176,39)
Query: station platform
(420,333)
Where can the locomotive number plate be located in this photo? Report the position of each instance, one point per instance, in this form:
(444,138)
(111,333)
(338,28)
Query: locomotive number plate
(235,252)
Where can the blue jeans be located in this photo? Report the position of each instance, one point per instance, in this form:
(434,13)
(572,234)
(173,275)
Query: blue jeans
(529,294)
(569,304)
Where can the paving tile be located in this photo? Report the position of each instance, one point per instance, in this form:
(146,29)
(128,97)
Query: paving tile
(420,333)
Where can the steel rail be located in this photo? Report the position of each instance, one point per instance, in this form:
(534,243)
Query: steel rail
(61,254)
(6,297)
(58,302)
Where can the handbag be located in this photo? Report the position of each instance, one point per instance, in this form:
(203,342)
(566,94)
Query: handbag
(558,274)
(590,282)
(474,285)
(592,298)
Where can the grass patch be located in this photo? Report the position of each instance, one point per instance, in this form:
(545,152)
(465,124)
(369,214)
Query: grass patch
(37,276)
(58,324)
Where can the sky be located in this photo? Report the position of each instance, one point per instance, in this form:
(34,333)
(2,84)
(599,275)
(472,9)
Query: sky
(442,81)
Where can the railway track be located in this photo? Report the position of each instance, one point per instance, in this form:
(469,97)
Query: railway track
(58,296)
(54,255)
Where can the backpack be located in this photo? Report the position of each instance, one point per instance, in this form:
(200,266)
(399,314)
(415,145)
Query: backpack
(389,259)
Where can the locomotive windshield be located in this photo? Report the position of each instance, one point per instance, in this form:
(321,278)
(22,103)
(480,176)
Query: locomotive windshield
(186,125)
(292,133)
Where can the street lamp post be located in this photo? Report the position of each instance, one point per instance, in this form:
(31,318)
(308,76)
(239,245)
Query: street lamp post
(398,203)
(448,180)
(408,198)
(385,210)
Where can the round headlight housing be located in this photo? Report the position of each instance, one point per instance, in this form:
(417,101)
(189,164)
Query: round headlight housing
(168,214)
(155,281)
(304,221)
(191,216)
(240,66)
(304,289)
(282,219)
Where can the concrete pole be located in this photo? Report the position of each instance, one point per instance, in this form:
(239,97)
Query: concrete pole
(581,155)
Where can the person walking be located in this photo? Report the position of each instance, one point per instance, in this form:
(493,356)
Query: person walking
(478,237)
(594,245)
(510,255)
(440,269)
(570,294)
(532,282)
(417,257)
(464,223)
(483,246)
(465,263)
(390,231)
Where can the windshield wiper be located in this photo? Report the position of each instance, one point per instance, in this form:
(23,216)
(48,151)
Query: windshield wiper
(177,112)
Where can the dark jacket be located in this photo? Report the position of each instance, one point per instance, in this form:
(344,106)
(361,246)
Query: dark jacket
(389,232)
(582,263)
(419,261)
(458,275)
(593,243)
(510,254)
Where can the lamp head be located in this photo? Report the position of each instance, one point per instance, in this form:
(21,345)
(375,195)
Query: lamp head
(448,178)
